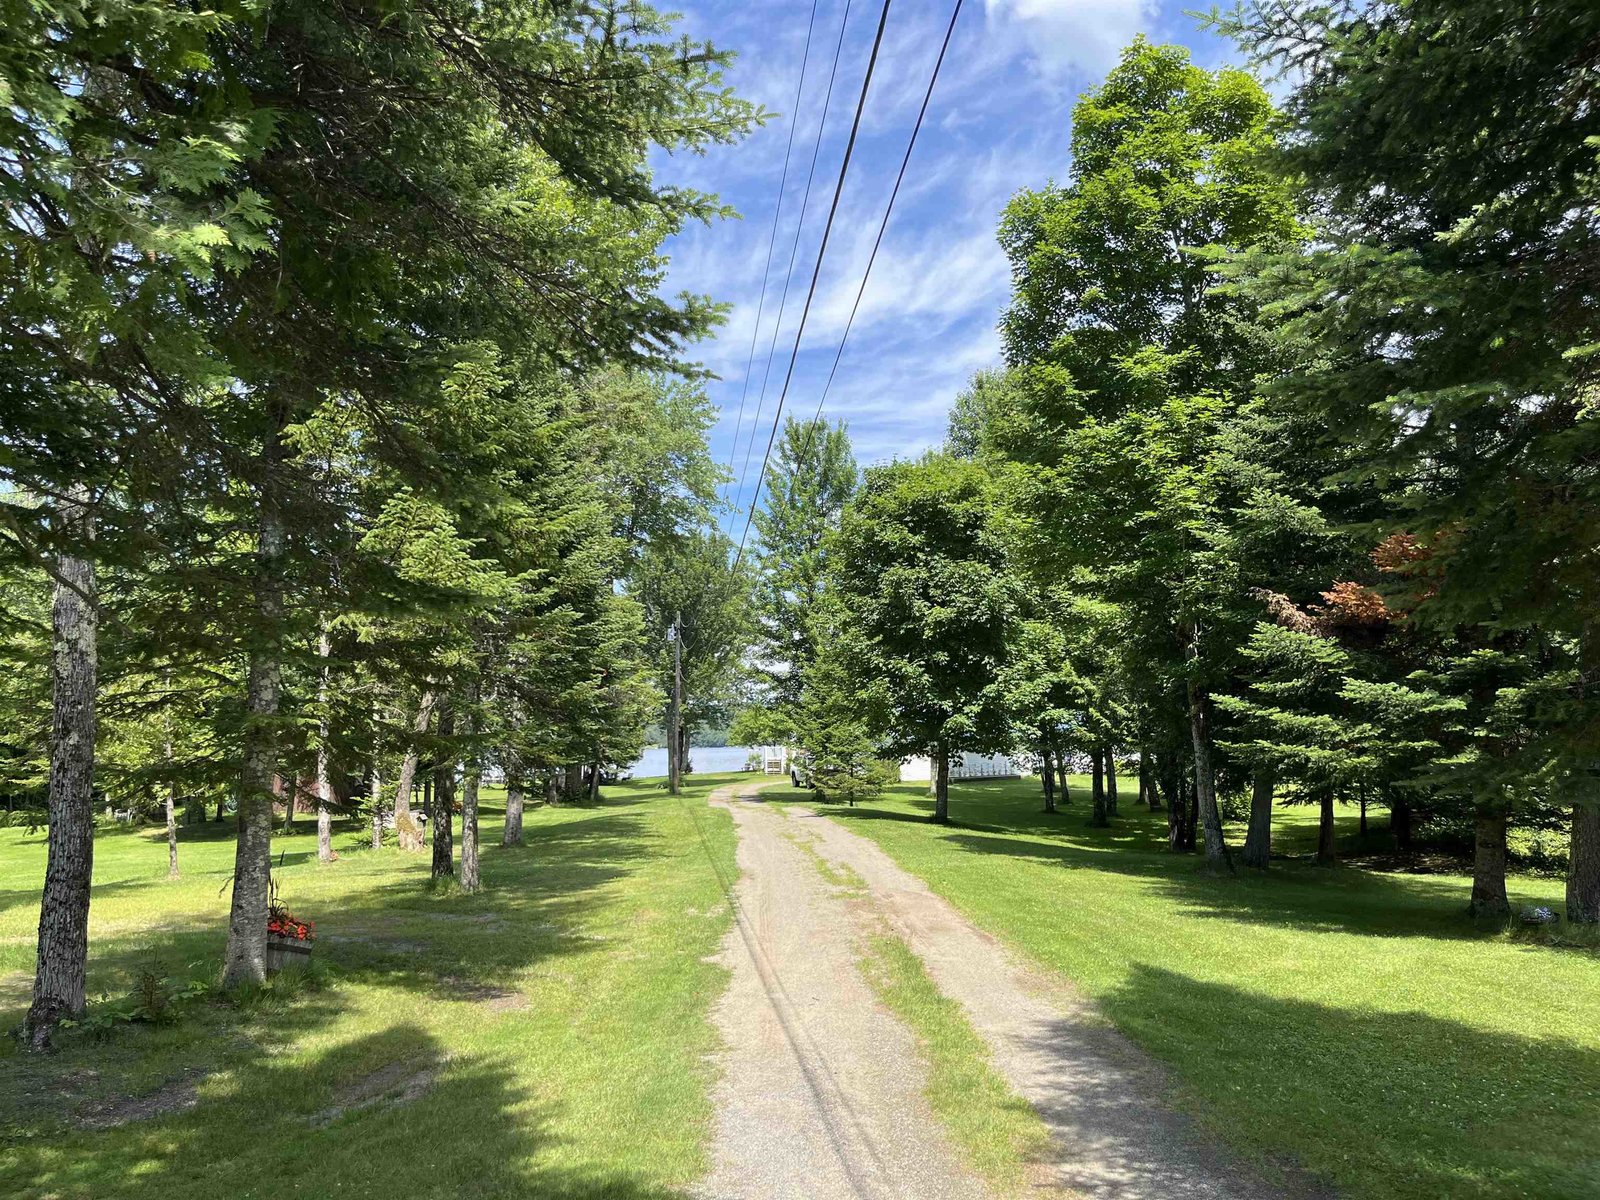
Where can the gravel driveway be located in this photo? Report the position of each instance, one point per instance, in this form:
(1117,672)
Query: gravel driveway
(821,1091)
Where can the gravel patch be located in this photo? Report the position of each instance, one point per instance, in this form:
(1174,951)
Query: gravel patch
(1115,1133)
(176,1095)
(822,1089)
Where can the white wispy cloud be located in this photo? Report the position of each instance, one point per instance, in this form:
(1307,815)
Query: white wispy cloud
(1073,35)
(1000,121)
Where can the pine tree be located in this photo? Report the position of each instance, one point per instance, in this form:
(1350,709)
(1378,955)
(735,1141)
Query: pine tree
(1449,150)
(811,479)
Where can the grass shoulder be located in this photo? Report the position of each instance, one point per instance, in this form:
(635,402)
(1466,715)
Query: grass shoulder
(1353,1021)
(996,1131)
(466,1045)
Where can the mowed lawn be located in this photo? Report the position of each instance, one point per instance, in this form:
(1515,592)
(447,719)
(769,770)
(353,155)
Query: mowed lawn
(1349,1020)
(545,1038)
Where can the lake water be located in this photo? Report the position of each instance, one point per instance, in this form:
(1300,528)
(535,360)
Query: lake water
(708,760)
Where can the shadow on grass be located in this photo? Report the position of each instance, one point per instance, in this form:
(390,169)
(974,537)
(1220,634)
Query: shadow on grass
(1398,1103)
(402,933)
(385,1115)
(252,1131)
(998,821)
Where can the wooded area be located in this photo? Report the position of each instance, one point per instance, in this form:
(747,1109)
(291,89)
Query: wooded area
(343,466)
(355,460)
(1286,492)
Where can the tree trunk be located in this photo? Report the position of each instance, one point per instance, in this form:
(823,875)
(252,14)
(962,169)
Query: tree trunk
(1363,829)
(172,803)
(1489,866)
(444,795)
(1205,777)
(512,834)
(1047,775)
(675,715)
(470,880)
(246,957)
(172,831)
(1111,781)
(63,953)
(324,828)
(1177,805)
(291,793)
(1147,783)
(552,789)
(1258,840)
(324,784)
(1583,862)
(1191,820)
(406,830)
(941,785)
(1400,823)
(594,783)
(377,808)
(1327,844)
(1583,869)
(572,781)
(1097,792)
(1065,792)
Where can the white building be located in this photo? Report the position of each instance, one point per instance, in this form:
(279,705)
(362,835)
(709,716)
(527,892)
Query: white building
(962,766)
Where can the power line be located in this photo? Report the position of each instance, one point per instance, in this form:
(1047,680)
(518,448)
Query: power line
(816,272)
(777,214)
(794,250)
(811,429)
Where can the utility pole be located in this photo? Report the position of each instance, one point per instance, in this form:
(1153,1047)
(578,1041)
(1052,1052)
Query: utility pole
(675,709)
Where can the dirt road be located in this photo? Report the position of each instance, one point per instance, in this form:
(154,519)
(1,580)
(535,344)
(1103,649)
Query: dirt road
(821,1092)
(821,1095)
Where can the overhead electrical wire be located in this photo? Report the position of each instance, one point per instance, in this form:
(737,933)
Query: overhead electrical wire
(794,250)
(816,272)
(811,429)
(772,239)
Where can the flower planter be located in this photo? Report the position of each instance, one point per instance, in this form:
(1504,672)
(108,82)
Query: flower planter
(287,953)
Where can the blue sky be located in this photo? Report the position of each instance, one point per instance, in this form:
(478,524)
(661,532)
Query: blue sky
(999,122)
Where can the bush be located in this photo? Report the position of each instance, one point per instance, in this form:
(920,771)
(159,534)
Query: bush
(156,999)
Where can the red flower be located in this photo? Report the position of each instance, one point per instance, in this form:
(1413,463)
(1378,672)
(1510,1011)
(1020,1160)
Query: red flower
(281,923)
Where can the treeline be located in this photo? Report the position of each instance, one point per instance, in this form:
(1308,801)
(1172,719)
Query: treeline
(1288,489)
(347,438)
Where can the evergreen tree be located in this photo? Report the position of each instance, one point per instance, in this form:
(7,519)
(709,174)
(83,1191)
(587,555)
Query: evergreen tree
(121,195)
(809,483)
(1448,149)
(839,723)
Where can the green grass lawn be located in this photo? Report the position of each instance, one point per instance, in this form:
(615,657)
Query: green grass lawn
(545,1038)
(1351,1020)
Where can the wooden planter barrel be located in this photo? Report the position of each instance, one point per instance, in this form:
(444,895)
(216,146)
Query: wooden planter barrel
(285,953)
